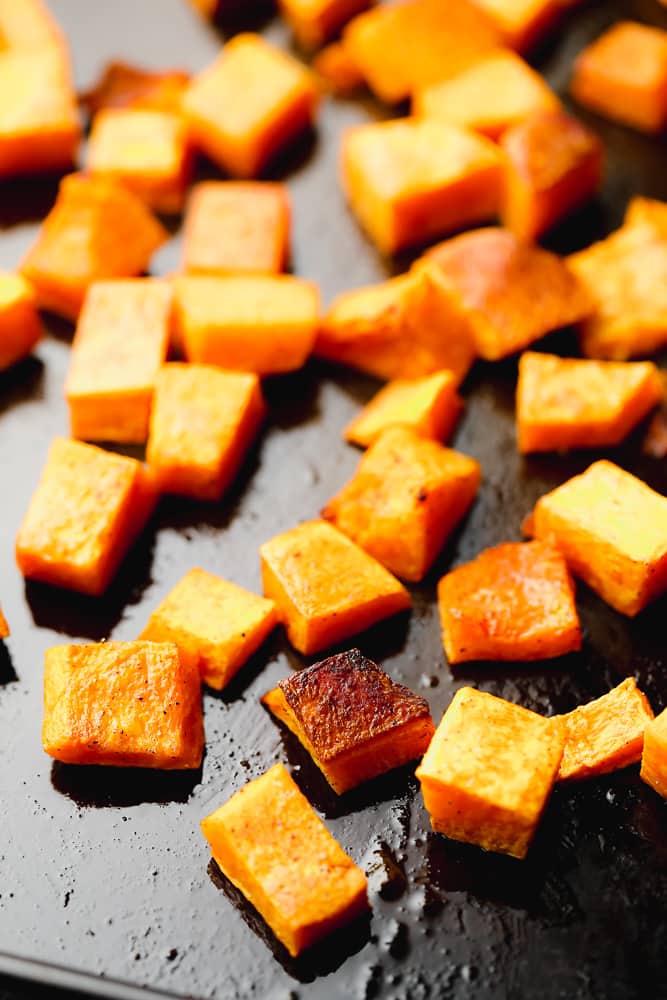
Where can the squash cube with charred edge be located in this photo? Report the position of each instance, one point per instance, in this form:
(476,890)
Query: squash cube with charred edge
(513,602)
(270,843)
(202,424)
(96,229)
(513,293)
(120,344)
(337,70)
(214,623)
(325,587)
(20,326)
(654,756)
(405,499)
(353,720)
(124,86)
(314,22)
(564,403)
(4,627)
(88,508)
(489,771)
(606,734)
(523,23)
(249,104)
(124,704)
(612,530)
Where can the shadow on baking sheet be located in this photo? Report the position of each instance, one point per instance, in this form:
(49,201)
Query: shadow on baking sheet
(101,787)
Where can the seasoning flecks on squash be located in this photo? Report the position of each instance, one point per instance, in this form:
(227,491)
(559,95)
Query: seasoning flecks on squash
(654,755)
(430,406)
(20,326)
(122,85)
(314,22)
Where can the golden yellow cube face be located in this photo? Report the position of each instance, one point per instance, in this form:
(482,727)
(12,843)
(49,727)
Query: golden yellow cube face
(654,758)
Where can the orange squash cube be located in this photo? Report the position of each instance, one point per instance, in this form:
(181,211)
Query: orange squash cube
(202,424)
(513,293)
(489,771)
(124,704)
(554,165)
(647,212)
(250,104)
(88,508)
(96,229)
(122,85)
(314,22)
(214,623)
(612,530)
(120,344)
(564,403)
(411,180)
(429,406)
(513,602)
(337,70)
(20,327)
(4,627)
(29,25)
(146,150)
(405,499)
(654,755)
(491,95)
(522,23)
(622,75)
(325,587)
(606,734)
(255,323)
(236,227)
(353,720)
(270,843)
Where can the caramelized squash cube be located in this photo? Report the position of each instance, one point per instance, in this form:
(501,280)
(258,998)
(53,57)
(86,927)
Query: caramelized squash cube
(270,843)
(430,406)
(522,23)
(122,85)
(489,771)
(314,22)
(20,327)
(337,70)
(654,755)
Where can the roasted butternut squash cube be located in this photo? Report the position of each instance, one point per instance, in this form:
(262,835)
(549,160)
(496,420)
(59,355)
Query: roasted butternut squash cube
(554,165)
(647,212)
(28,24)
(88,508)
(214,623)
(489,771)
(353,720)
(255,323)
(270,843)
(513,602)
(4,627)
(405,499)
(249,104)
(96,229)
(513,293)
(564,403)
(314,22)
(20,327)
(146,150)
(122,85)
(411,180)
(124,704)
(237,227)
(612,530)
(402,46)
(522,23)
(120,344)
(429,406)
(654,755)
(491,95)
(202,424)
(325,587)
(623,76)
(337,70)
(606,734)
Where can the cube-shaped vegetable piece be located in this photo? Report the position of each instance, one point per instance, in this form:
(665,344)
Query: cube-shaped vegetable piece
(353,720)
(522,23)
(4,627)
(125,704)
(402,46)
(337,70)
(120,344)
(513,293)
(87,510)
(20,326)
(489,771)
(513,602)
(405,499)
(28,24)
(430,406)
(564,403)
(146,150)
(623,75)
(314,22)
(554,165)
(647,212)
(612,530)
(96,229)
(492,94)
(270,843)
(250,104)
(606,734)
(654,756)
(255,323)
(325,587)
(214,623)
(236,226)
(122,85)
(411,180)
(403,328)
(202,424)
